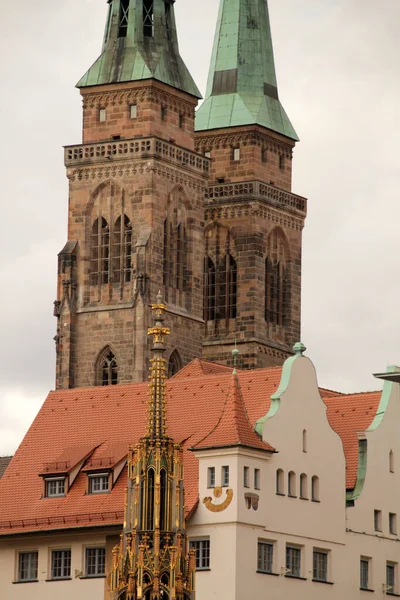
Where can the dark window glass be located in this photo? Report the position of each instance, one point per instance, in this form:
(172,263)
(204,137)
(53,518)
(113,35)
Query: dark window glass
(265,557)
(98,484)
(123,18)
(293,561)
(100,252)
(364,574)
(109,369)
(320,566)
(122,250)
(390,578)
(148,18)
(28,566)
(60,564)
(95,562)
(202,548)
(55,487)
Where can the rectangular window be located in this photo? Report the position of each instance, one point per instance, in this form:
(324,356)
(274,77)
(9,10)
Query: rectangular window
(320,565)
(163,113)
(390,578)
(61,564)
(225,476)
(133,111)
(27,566)
(99,484)
(246,477)
(181,121)
(236,154)
(95,562)
(364,573)
(102,115)
(293,561)
(264,155)
(265,557)
(281,162)
(202,548)
(378,520)
(211,477)
(256,479)
(393,524)
(55,487)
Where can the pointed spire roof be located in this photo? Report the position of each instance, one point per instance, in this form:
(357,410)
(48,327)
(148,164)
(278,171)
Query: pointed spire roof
(242,87)
(140,42)
(233,427)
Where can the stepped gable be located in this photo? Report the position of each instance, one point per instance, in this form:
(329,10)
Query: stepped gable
(348,415)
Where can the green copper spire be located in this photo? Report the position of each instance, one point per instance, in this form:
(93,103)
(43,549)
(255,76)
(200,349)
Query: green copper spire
(242,87)
(140,42)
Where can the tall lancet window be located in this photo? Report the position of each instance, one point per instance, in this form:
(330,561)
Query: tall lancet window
(220,275)
(209,290)
(276,280)
(227,296)
(148,18)
(107,368)
(100,252)
(122,250)
(175,249)
(123,18)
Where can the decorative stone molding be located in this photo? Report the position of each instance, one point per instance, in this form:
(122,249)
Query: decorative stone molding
(211,142)
(147,94)
(253,209)
(122,170)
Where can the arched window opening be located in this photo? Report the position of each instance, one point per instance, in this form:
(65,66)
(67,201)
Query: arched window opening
(315,489)
(150,499)
(165,579)
(292,484)
(174,363)
(305,440)
(304,486)
(123,18)
(227,296)
(391,461)
(100,252)
(276,280)
(122,251)
(148,18)
(209,288)
(108,369)
(175,248)
(163,501)
(146,579)
(280,482)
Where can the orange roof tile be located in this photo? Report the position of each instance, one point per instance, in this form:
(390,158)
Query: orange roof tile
(348,415)
(233,427)
(68,459)
(114,415)
(202,367)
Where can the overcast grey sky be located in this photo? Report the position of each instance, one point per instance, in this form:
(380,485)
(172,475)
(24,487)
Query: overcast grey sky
(338,71)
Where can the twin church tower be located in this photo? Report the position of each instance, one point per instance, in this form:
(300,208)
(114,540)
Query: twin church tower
(197,205)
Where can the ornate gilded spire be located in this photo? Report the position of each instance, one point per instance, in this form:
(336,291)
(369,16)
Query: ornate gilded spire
(157,412)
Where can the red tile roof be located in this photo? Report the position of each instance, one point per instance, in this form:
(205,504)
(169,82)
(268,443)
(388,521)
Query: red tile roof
(233,427)
(348,415)
(115,415)
(202,367)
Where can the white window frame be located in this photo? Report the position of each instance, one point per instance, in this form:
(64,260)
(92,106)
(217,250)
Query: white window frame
(133,111)
(65,553)
(97,561)
(225,476)
(365,561)
(290,562)
(211,477)
(102,115)
(30,567)
(236,154)
(265,556)
(203,552)
(320,559)
(102,477)
(57,494)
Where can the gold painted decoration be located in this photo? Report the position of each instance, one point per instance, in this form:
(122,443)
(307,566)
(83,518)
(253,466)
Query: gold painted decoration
(216,508)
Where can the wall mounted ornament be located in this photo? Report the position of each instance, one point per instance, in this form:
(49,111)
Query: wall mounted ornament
(216,508)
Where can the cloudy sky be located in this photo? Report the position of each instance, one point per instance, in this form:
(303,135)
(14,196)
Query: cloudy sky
(339,79)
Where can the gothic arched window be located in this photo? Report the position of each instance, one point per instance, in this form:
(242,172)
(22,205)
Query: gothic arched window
(175,248)
(227,293)
(148,18)
(122,251)
(276,280)
(209,290)
(123,18)
(174,364)
(100,252)
(108,368)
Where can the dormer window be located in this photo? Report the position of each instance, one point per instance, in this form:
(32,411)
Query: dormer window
(55,487)
(148,18)
(99,483)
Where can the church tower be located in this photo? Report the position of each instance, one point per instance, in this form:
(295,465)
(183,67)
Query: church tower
(253,221)
(136,205)
(153,561)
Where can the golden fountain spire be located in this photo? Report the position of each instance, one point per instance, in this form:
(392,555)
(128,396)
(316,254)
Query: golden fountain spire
(157,411)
